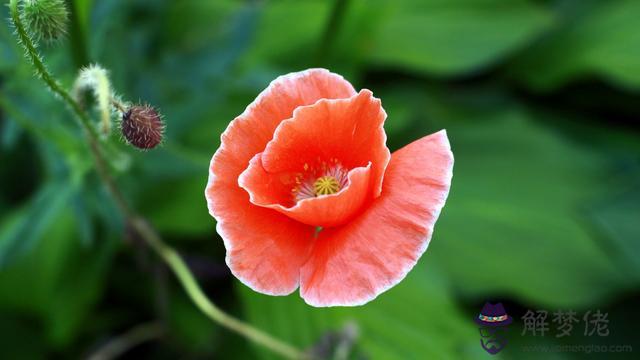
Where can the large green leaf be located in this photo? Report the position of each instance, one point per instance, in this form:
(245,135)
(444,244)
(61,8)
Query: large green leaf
(24,228)
(300,22)
(9,55)
(453,37)
(514,223)
(183,209)
(47,128)
(415,320)
(617,219)
(598,38)
(58,282)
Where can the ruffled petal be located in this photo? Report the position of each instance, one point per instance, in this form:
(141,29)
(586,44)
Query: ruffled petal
(348,130)
(352,264)
(265,249)
(267,189)
(343,133)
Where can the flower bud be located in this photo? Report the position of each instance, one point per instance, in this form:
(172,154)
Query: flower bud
(46,20)
(142,126)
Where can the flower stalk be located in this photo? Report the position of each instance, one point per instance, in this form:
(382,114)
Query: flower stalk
(141,227)
(132,338)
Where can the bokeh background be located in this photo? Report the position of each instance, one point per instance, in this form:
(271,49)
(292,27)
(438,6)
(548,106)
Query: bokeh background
(541,100)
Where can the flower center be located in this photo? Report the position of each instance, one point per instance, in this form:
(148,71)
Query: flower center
(326,185)
(324,178)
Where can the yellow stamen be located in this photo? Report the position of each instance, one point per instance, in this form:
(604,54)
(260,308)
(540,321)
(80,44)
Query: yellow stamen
(326,185)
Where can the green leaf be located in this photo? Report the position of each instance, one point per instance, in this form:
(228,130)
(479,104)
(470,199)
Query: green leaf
(83,10)
(9,134)
(20,339)
(183,209)
(201,16)
(58,281)
(9,53)
(416,319)
(39,126)
(24,228)
(83,216)
(301,23)
(195,331)
(617,219)
(455,37)
(603,39)
(514,223)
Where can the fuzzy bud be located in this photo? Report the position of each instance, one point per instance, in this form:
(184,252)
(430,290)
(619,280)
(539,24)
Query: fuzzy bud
(96,79)
(46,20)
(142,126)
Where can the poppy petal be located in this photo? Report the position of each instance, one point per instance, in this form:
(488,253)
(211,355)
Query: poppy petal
(265,249)
(268,258)
(267,189)
(349,130)
(352,264)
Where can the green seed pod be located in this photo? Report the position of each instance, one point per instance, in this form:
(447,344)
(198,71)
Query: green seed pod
(46,20)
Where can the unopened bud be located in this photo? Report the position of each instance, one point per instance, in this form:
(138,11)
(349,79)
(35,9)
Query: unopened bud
(46,20)
(142,126)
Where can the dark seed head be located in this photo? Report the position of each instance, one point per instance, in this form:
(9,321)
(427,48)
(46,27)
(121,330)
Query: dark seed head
(142,126)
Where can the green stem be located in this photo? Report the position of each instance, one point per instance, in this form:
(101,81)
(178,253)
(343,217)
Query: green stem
(122,108)
(141,227)
(190,285)
(132,338)
(41,70)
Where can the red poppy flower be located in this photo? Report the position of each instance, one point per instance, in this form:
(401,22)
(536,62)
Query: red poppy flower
(306,193)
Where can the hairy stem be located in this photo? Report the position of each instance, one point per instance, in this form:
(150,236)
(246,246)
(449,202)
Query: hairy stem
(139,225)
(118,105)
(41,70)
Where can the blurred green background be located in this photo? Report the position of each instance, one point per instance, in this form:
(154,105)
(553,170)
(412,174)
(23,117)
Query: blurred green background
(541,100)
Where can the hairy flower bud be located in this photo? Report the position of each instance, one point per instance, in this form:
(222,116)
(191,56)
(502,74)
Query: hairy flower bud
(142,126)
(46,20)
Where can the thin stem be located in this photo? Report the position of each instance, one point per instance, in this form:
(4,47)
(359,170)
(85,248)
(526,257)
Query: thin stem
(190,285)
(118,105)
(56,88)
(132,338)
(109,182)
(41,70)
(141,227)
